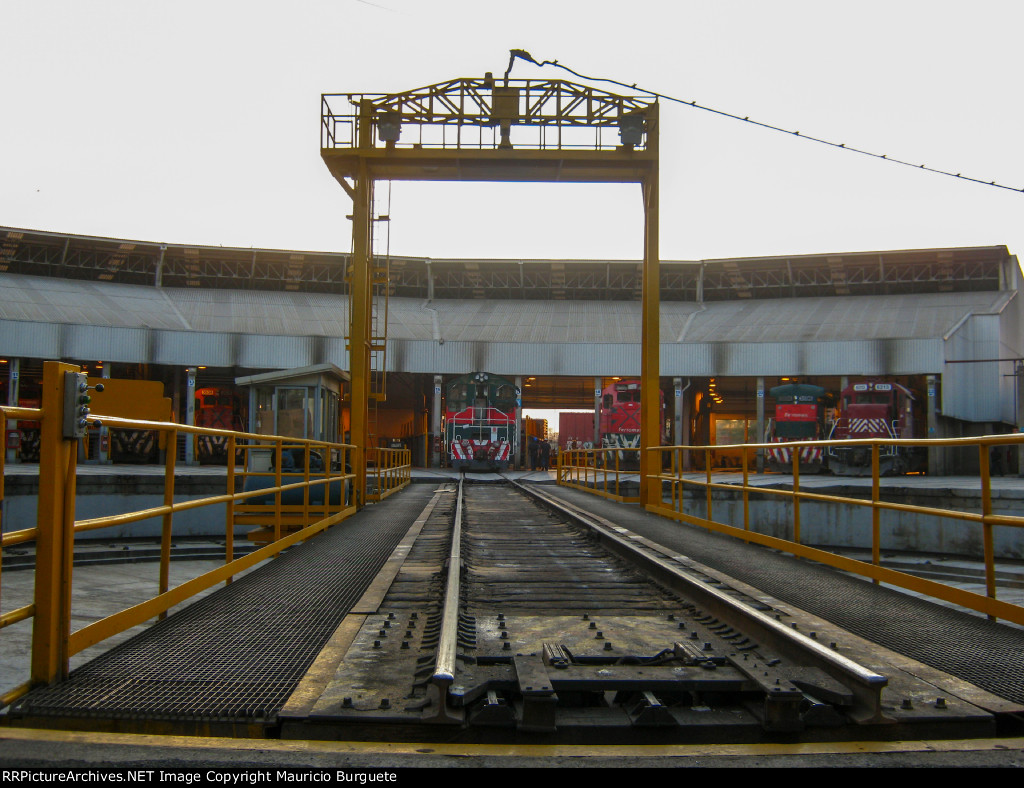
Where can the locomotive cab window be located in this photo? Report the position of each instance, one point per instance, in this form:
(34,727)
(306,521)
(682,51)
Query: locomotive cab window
(505,398)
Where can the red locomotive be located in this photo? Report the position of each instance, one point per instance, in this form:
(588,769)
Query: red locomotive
(217,409)
(480,422)
(620,419)
(875,409)
(799,416)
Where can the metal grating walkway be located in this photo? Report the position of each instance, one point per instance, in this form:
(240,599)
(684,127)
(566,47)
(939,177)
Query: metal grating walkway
(985,653)
(236,655)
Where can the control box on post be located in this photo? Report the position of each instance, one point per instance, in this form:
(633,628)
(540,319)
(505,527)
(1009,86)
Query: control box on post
(76,404)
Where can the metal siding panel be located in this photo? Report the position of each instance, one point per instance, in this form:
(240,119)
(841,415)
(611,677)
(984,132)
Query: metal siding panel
(971,391)
(275,352)
(26,339)
(106,343)
(191,348)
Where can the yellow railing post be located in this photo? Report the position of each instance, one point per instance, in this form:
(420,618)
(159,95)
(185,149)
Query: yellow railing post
(796,495)
(746,492)
(305,490)
(707,472)
(167,529)
(229,529)
(55,516)
(986,525)
(278,459)
(876,513)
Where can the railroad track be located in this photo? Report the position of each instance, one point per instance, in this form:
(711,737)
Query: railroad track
(513,613)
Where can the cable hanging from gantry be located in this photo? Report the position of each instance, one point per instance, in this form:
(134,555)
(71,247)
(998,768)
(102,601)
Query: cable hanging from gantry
(522,54)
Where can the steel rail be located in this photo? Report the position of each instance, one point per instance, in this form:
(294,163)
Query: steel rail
(865,684)
(444,667)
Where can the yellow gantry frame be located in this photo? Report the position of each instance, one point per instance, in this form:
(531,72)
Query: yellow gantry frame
(492,130)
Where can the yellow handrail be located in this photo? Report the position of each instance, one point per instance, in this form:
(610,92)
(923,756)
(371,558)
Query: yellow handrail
(602,472)
(675,478)
(392,472)
(53,643)
(584,469)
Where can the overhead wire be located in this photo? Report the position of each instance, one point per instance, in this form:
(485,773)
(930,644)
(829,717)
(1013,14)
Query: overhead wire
(522,54)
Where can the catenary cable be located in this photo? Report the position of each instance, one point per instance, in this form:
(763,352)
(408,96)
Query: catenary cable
(522,54)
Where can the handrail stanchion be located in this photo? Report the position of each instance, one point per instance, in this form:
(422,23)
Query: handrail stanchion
(229,530)
(707,473)
(306,455)
(746,492)
(876,513)
(278,459)
(986,525)
(796,495)
(167,524)
(55,516)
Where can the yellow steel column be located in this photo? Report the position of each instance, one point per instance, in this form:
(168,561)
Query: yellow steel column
(650,361)
(54,544)
(359,320)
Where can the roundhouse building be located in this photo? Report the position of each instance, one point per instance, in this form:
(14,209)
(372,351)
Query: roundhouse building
(946,323)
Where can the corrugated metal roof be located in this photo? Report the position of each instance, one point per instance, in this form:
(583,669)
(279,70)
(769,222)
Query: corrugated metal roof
(919,316)
(898,334)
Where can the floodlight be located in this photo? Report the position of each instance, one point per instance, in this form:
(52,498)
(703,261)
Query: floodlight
(631,129)
(389,126)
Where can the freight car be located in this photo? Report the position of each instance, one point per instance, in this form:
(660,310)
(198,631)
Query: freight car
(799,416)
(876,409)
(480,422)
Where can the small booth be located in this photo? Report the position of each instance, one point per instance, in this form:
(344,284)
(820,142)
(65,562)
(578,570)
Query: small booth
(294,403)
(302,404)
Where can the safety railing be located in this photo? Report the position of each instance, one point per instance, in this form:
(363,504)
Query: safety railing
(390,471)
(292,496)
(675,503)
(10,415)
(610,473)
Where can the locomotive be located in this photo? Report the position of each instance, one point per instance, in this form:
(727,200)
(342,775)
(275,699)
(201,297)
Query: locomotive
(875,409)
(215,408)
(620,419)
(799,416)
(480,422)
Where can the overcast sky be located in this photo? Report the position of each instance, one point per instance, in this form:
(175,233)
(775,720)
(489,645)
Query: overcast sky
(198,122)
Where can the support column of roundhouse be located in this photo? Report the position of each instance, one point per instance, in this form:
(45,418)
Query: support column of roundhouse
(435,424)
(760,424)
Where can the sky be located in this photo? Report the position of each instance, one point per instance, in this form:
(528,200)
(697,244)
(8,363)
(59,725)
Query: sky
(198,122)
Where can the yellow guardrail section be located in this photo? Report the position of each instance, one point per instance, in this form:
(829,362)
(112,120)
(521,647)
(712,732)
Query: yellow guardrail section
(391,471)
(593,471)
(674,481)
(604,472)
(285,522)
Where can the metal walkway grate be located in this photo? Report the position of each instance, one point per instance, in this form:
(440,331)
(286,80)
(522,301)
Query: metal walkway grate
(236,655)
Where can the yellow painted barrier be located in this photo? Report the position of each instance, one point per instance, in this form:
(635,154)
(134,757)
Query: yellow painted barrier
(603,472)
(391,470)
(673,506)
(594,471)
(53,642)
